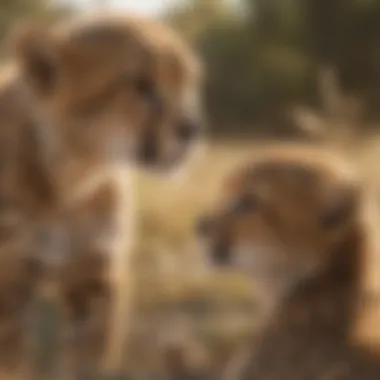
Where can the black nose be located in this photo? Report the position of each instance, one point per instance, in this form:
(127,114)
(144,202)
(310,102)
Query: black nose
(148,148)
(187,130)
(221,254)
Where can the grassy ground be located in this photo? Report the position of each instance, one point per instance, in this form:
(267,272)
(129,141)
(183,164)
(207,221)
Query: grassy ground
(176,297)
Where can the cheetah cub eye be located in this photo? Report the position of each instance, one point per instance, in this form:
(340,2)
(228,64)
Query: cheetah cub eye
(145,88)
(245,205)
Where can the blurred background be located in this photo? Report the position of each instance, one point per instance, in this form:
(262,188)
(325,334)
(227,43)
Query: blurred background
(277,71)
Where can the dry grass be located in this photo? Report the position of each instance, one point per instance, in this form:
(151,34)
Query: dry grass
(168,209)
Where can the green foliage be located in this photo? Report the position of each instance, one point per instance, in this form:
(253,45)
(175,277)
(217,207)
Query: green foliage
(267,58)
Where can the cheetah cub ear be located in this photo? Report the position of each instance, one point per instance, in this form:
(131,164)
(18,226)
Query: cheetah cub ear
(38,56)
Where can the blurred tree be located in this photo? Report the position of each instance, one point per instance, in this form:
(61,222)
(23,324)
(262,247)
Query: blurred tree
(196,17)
(277,53)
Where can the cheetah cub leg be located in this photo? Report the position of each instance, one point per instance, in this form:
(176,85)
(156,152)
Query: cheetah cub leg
(96,285)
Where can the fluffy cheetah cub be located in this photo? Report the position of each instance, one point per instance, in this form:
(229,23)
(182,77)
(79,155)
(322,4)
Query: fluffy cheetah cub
(294,221)
(84,100)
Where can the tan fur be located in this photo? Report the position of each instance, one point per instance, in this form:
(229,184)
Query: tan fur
(299,222)
(83,102)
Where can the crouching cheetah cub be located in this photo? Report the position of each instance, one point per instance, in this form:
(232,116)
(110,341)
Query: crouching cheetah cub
(83,101)
(295,220)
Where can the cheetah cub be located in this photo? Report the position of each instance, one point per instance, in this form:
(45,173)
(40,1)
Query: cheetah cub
(296,221)
(84,100)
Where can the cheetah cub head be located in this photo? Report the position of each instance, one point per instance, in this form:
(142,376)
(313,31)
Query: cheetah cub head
(110,89)
(283,218)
